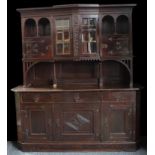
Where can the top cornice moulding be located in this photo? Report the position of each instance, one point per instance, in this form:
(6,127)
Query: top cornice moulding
(76,6)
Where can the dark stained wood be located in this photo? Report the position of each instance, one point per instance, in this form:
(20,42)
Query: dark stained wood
(78,89)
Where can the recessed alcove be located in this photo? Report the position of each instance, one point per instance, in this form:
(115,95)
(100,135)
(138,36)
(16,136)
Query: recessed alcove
(108,26)
(44,27)
(122,25)
(115,74)
(77,75)
(40,75)
(30,29)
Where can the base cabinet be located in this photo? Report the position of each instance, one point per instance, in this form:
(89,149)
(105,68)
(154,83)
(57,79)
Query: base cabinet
(51,121)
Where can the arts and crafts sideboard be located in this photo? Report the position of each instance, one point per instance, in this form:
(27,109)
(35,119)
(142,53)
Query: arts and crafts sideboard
(77,92)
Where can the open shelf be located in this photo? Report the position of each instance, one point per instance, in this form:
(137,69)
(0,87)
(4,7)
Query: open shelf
(115,74)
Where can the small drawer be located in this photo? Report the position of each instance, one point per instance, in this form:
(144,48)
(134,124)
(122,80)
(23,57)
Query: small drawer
(37,97)
(118,96)
(78,97)
(90,96)
(63,97)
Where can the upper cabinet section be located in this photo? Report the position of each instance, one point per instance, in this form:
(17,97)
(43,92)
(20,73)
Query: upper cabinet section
(37,39)
(77,32)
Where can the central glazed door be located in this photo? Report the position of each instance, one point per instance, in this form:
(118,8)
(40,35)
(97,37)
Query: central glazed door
(77,121)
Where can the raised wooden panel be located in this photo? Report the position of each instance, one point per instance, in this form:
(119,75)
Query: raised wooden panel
(38,120)
(37,48)
(77,122)
(117,121)
(37,123)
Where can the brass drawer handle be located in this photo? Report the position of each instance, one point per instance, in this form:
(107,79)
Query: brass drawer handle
(36,98)
(77,98)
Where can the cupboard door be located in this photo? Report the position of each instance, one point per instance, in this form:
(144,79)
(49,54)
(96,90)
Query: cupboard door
(89,35)
(63,46)
(77,121)
(37,123)
(117,121)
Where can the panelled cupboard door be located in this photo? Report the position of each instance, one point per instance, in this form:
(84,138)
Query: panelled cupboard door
(89,35)
(77,121)
(117,121)
(37,123)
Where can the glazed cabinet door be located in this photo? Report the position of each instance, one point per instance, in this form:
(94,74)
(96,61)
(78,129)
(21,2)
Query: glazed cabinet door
(37,123)
(117,121)
(64,37)
(77,121)
(89,37)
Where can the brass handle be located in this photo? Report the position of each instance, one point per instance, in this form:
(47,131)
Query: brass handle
(77,98)
(36,98)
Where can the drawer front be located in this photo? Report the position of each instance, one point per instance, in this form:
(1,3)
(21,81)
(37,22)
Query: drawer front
(37,97)
(77,97)
(119,96)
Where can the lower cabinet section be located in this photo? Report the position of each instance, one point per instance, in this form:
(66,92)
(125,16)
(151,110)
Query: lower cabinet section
(77,124)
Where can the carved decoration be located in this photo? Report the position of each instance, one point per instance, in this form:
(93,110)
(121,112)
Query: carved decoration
(77,122)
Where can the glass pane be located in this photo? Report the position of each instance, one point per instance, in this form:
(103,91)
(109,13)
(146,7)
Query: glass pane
(59,36)
(66,48)
(59,48)
(58,23)
(93,36)
(66,35)
(66,23)
(85,21)
(62,23)
(92,22)
(85,36)
(93,47)
(85,47)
